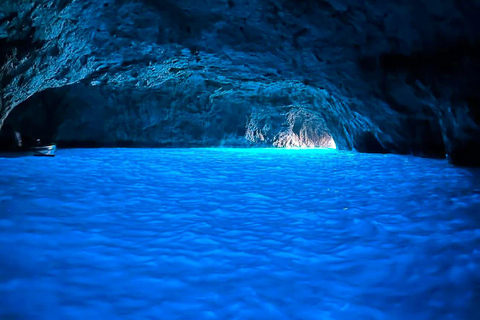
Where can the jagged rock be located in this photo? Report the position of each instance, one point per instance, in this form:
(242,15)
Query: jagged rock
(396,76)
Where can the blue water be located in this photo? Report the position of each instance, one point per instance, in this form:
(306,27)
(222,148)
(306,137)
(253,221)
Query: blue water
(238,234)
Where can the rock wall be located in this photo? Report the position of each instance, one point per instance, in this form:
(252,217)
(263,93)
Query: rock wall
(191,114)
(377,76)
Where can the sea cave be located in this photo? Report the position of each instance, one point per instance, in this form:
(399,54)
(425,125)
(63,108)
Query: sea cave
(240,159)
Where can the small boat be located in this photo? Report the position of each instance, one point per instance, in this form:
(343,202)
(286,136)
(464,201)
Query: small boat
(44,151)
(39,151)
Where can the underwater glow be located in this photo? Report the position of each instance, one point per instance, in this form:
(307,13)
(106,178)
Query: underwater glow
(237,234)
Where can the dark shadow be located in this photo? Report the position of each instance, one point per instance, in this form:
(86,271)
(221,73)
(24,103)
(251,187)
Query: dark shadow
(368,143)
(39,117)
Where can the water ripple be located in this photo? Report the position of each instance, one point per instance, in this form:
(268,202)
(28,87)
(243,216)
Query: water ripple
(238,234)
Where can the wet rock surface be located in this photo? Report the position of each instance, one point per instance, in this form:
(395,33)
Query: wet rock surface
(378,77)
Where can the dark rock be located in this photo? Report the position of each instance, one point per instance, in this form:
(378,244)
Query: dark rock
(396,76)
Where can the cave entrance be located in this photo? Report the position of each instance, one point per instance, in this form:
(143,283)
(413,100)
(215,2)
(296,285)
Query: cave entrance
(304,139)
(304,129)
(290,127)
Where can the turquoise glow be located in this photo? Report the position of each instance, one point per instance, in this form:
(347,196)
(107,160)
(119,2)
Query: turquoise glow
(237,234)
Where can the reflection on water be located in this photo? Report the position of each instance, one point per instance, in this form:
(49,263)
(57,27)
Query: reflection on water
(238,234)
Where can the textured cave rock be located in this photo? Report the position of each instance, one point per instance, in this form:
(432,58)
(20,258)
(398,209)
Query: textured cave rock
(377,76)
(86,116)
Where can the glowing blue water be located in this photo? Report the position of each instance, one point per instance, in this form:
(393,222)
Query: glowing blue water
(238,234)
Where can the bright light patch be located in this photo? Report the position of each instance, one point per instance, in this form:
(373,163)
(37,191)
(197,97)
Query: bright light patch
(330,143)
(292,140)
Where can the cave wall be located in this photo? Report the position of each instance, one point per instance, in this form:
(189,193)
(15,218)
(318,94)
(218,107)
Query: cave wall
(396,76)
(169,116)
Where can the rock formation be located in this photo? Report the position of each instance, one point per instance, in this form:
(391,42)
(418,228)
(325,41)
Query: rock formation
(377,76)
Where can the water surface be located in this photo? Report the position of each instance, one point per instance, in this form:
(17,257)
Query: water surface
(238,234)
